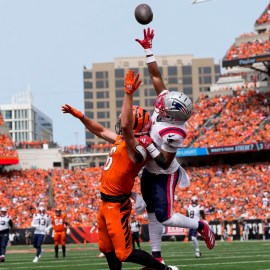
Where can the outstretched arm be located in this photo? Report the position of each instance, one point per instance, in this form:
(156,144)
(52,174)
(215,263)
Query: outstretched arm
(91,125)
(135,151)
(153,69)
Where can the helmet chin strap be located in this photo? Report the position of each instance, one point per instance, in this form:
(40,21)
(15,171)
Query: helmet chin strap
(164,118)
(168,118)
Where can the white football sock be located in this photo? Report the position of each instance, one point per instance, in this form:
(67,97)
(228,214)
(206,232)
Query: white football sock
(179,220)
(155,232)
(196,243)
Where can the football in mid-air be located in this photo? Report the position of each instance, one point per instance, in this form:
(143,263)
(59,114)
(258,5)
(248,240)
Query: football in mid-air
(143,14)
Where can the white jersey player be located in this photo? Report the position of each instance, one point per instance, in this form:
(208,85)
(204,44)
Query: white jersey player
(42,224)
(158,181)
(167,135)
(6,225)
(196,212)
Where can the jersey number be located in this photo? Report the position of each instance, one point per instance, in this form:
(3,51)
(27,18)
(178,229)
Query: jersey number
(41,221)
(109,160)
(191,214)
(58,221)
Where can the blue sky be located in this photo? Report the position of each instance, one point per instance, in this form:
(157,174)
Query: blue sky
(46,43)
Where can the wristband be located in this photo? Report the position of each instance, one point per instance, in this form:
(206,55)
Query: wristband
(150,59)
(152,150)
(140,150)
(148,52)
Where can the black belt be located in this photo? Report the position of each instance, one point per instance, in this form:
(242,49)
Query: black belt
(110,198)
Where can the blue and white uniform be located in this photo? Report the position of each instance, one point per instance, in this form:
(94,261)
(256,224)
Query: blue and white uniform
(195,213)
(157,184)
(5,224)
(42,224)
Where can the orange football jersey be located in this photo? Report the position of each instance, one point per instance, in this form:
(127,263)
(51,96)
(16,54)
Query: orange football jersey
(119,171)
(58,222)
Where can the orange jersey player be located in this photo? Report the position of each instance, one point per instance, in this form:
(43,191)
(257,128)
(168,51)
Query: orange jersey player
(61,228)
(125,160)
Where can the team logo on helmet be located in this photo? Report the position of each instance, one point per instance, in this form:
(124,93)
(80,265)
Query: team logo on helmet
(177,107)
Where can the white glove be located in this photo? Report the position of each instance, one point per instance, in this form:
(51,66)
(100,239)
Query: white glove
(47,231)
(68,231)
(140,204)
(52,233)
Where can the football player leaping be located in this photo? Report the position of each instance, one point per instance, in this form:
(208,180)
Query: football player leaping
(160,176)
(196,212)
(124,162)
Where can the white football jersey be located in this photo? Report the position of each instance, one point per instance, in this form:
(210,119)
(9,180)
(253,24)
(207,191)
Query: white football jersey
(168,137)
(41,223)
(194,211)
(4,223)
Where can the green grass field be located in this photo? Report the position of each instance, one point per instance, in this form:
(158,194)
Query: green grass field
(251,255)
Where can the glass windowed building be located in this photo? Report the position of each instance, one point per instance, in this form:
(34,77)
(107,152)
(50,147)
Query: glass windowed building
(25,121)
(104,84)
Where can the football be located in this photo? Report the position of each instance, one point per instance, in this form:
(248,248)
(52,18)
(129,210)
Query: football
(143,14)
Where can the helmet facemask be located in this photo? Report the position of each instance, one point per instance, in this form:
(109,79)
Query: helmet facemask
(141,122)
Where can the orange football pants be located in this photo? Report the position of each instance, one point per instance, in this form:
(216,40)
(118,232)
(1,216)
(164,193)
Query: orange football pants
(113,228)
(59,237)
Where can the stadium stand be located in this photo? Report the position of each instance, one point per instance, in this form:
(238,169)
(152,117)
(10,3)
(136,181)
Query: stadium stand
(227,192)
(8,153)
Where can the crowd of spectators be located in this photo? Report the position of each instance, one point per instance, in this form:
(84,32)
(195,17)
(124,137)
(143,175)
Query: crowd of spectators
(217,121)
(248,49)
(227,192)
(82,149)
(30,144)
(21,191)
(265,17)
(7,149)
(234,120)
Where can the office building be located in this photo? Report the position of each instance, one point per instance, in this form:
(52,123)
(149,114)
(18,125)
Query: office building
(104,83)
(25,121)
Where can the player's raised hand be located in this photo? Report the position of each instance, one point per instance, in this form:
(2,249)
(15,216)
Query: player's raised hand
(68,109)
(131,83)
(146,43)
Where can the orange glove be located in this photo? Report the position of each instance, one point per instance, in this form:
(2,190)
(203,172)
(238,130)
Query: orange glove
(68,109)
(131,83)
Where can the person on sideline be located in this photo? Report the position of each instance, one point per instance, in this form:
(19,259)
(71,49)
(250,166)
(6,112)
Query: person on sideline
(28,237)
(125,160)
(135,229)
(161,174)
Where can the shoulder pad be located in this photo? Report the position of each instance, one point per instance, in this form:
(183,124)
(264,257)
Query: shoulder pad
(173,131)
